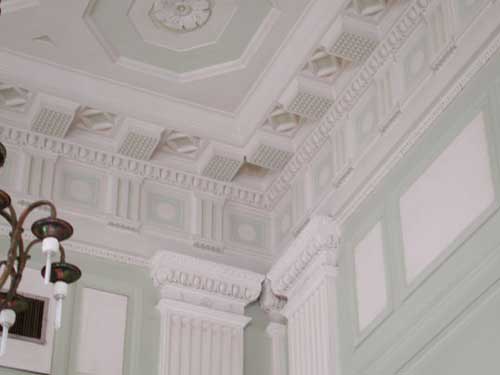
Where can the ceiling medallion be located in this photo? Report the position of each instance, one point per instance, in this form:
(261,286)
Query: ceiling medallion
(180,15)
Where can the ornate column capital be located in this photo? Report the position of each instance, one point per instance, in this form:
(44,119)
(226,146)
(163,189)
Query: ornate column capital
(271,303)
(317,245)
(204,283)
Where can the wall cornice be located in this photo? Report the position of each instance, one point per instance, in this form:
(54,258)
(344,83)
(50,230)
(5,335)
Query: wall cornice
(12,135)
(415,135)
(204,283)
(320,238)
(391,44)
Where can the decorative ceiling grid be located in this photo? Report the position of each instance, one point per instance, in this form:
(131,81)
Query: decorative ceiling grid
(348,91)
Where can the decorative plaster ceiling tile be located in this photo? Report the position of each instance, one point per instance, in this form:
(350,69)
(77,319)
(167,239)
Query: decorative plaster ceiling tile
(96,122)
(181,144)
(222,168)
(52,116)
(240,26)
(270,157)
(14,98)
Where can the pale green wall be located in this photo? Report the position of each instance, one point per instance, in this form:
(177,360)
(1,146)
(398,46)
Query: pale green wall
(257,343)
(141,350)
(134,282)
(448,323)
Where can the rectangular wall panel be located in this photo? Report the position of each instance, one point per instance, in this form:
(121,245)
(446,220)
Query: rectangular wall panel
(447,198)
(102,333)
(370,277)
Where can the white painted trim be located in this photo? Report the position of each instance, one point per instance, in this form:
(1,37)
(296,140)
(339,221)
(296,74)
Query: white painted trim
(204,283)
(319,239)
(166,306)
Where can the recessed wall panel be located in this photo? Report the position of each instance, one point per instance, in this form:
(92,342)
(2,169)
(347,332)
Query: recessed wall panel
(370,277)
(447,198)
(102,333)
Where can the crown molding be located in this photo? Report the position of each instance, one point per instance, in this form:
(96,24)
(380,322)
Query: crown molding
(393,42)
(204,283)
(318,242)
(418,131)
(12,135)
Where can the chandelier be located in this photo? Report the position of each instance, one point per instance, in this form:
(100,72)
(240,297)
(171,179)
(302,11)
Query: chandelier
(50,232)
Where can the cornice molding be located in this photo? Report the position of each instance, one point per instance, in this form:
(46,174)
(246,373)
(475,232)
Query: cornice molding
(392,43)
(319,238)
(429,120)
(26,139)
(204,283)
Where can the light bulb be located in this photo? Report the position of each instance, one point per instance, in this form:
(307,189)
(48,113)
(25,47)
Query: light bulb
(60,292)
(50,245)
(7,320)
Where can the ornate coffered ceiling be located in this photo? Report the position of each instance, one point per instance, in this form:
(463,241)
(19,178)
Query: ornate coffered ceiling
(211,126)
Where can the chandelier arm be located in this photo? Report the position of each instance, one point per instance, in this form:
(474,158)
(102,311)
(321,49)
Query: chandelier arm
(35,205)
(30,245)
(6,216)
(63,254)
(11,258)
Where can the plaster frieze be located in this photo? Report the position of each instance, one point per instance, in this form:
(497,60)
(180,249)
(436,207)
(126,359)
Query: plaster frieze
(12,135)
(415,135)
(204,283)
(392,43)
(318,241)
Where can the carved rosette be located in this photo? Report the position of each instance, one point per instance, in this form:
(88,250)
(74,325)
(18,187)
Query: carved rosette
(180,15)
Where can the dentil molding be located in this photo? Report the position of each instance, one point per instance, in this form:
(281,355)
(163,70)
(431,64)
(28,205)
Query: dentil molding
(204,283)
(387,48)
(319,239)
(12,135)
(416,134)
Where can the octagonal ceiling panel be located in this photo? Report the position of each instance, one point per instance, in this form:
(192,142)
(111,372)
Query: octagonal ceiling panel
(164,37)
(214,81)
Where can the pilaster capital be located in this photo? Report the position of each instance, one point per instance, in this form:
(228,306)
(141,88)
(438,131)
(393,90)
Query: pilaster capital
(204,283)
(271,303)
(316,247)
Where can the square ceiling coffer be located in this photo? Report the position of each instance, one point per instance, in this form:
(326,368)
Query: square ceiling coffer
(270,157)
(222,168)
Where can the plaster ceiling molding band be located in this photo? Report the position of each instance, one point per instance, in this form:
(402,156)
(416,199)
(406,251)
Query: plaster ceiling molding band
(492,48)
(144,169)
(394,40)
(320,236)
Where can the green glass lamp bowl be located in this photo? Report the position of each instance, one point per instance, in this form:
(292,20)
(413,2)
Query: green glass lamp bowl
(66,272)
(52,227)
(19,304)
